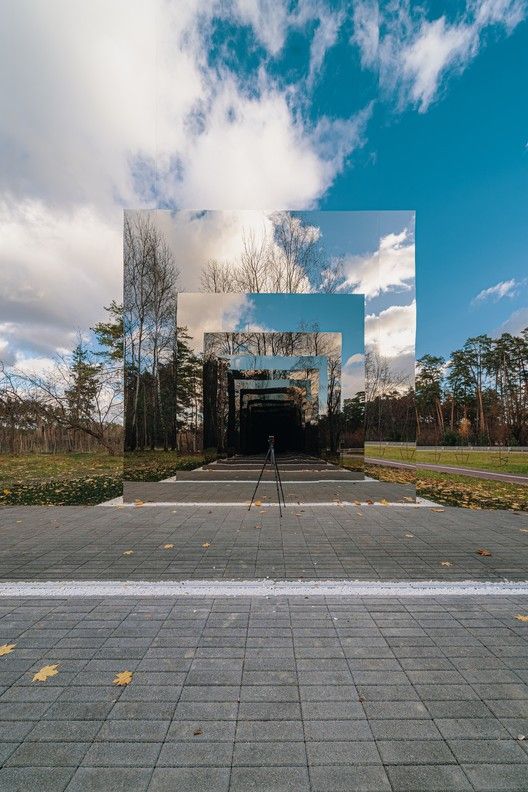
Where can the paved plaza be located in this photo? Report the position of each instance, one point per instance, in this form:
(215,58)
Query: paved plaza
(263,693)
(299,695)
(326,542)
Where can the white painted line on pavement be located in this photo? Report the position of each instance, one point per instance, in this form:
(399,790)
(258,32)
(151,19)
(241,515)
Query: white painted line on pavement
(292,505)
(262,588)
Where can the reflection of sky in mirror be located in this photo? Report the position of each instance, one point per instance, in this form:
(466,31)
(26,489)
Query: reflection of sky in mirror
(211,313)
(375,252)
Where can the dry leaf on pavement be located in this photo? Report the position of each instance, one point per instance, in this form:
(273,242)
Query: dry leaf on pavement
(409,536)
(438,510)
(46,672)
(128,552)
(6,649)
(522,617)
(206,545)
(139,502)
(123,678)
(168,546)
(446,563)
(482,551)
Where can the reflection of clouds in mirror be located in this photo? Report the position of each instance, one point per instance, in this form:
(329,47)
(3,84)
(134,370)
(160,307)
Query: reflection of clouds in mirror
(365,253)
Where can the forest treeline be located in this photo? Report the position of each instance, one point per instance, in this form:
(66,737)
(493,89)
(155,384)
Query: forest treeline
(139,380)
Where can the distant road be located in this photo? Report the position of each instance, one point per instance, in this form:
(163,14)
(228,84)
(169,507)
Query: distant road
(459,471)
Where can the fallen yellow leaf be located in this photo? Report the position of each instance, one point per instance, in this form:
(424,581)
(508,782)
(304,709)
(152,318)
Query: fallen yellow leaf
(7,492)
(123,678)
(258,503)
(6,649)
(206,544)
(522,617)
(168,546)
(138,502)
(384,502)
(46,672)
(483,552)
(128,552)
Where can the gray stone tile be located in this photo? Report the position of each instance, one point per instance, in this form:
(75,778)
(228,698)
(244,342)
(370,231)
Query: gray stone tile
(497,778)
(433,778)
(195,754)
(348,753)
(189,779)
(346,778)
(259,754)
(414,752)
(35,779)
(122,779)
(271,779)
(122,754)
(45,754)
(507,751)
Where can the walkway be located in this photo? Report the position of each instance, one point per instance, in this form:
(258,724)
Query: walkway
(319,543)
(299,695)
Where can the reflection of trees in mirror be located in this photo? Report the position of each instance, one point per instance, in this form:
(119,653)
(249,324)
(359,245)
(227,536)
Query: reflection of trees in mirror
(287,261)
(390,411)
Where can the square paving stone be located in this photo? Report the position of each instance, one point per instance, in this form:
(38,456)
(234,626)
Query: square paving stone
(498,778)
(44,754)
(349,753)
(122,754)
(97,779)
(189,754)
(270,779)
(345,779)
(35,779)
(413,752)
(433,778)
(189,779)
(259,754)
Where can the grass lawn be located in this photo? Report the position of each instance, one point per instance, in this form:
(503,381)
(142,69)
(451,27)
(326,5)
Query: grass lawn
(81,479)
(158,465)
(451,490)
(515,462)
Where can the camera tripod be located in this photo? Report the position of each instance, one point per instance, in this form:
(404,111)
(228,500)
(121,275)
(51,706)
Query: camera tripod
(270,457)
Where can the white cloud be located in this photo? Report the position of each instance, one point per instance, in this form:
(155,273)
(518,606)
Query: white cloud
(392,332)
(323,40)
(515,324)
(502,289)
(114,104)
(211,313)
(390,268)
(416,54)
(366,18)
(59,268)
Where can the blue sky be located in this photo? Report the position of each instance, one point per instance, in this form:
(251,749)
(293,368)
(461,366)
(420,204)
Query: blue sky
(252,104)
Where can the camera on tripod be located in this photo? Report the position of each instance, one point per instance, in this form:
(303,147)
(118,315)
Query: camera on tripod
(270,457)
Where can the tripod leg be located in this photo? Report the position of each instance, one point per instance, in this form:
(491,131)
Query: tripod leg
(280,483)
(260,476)
(276,471)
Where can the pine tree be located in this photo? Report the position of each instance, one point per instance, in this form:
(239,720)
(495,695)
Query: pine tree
(82,391)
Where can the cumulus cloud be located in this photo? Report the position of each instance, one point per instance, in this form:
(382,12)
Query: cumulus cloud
(390,268)
(507,288)
(211,313)
(110,105)
(392,332)
(59,267)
